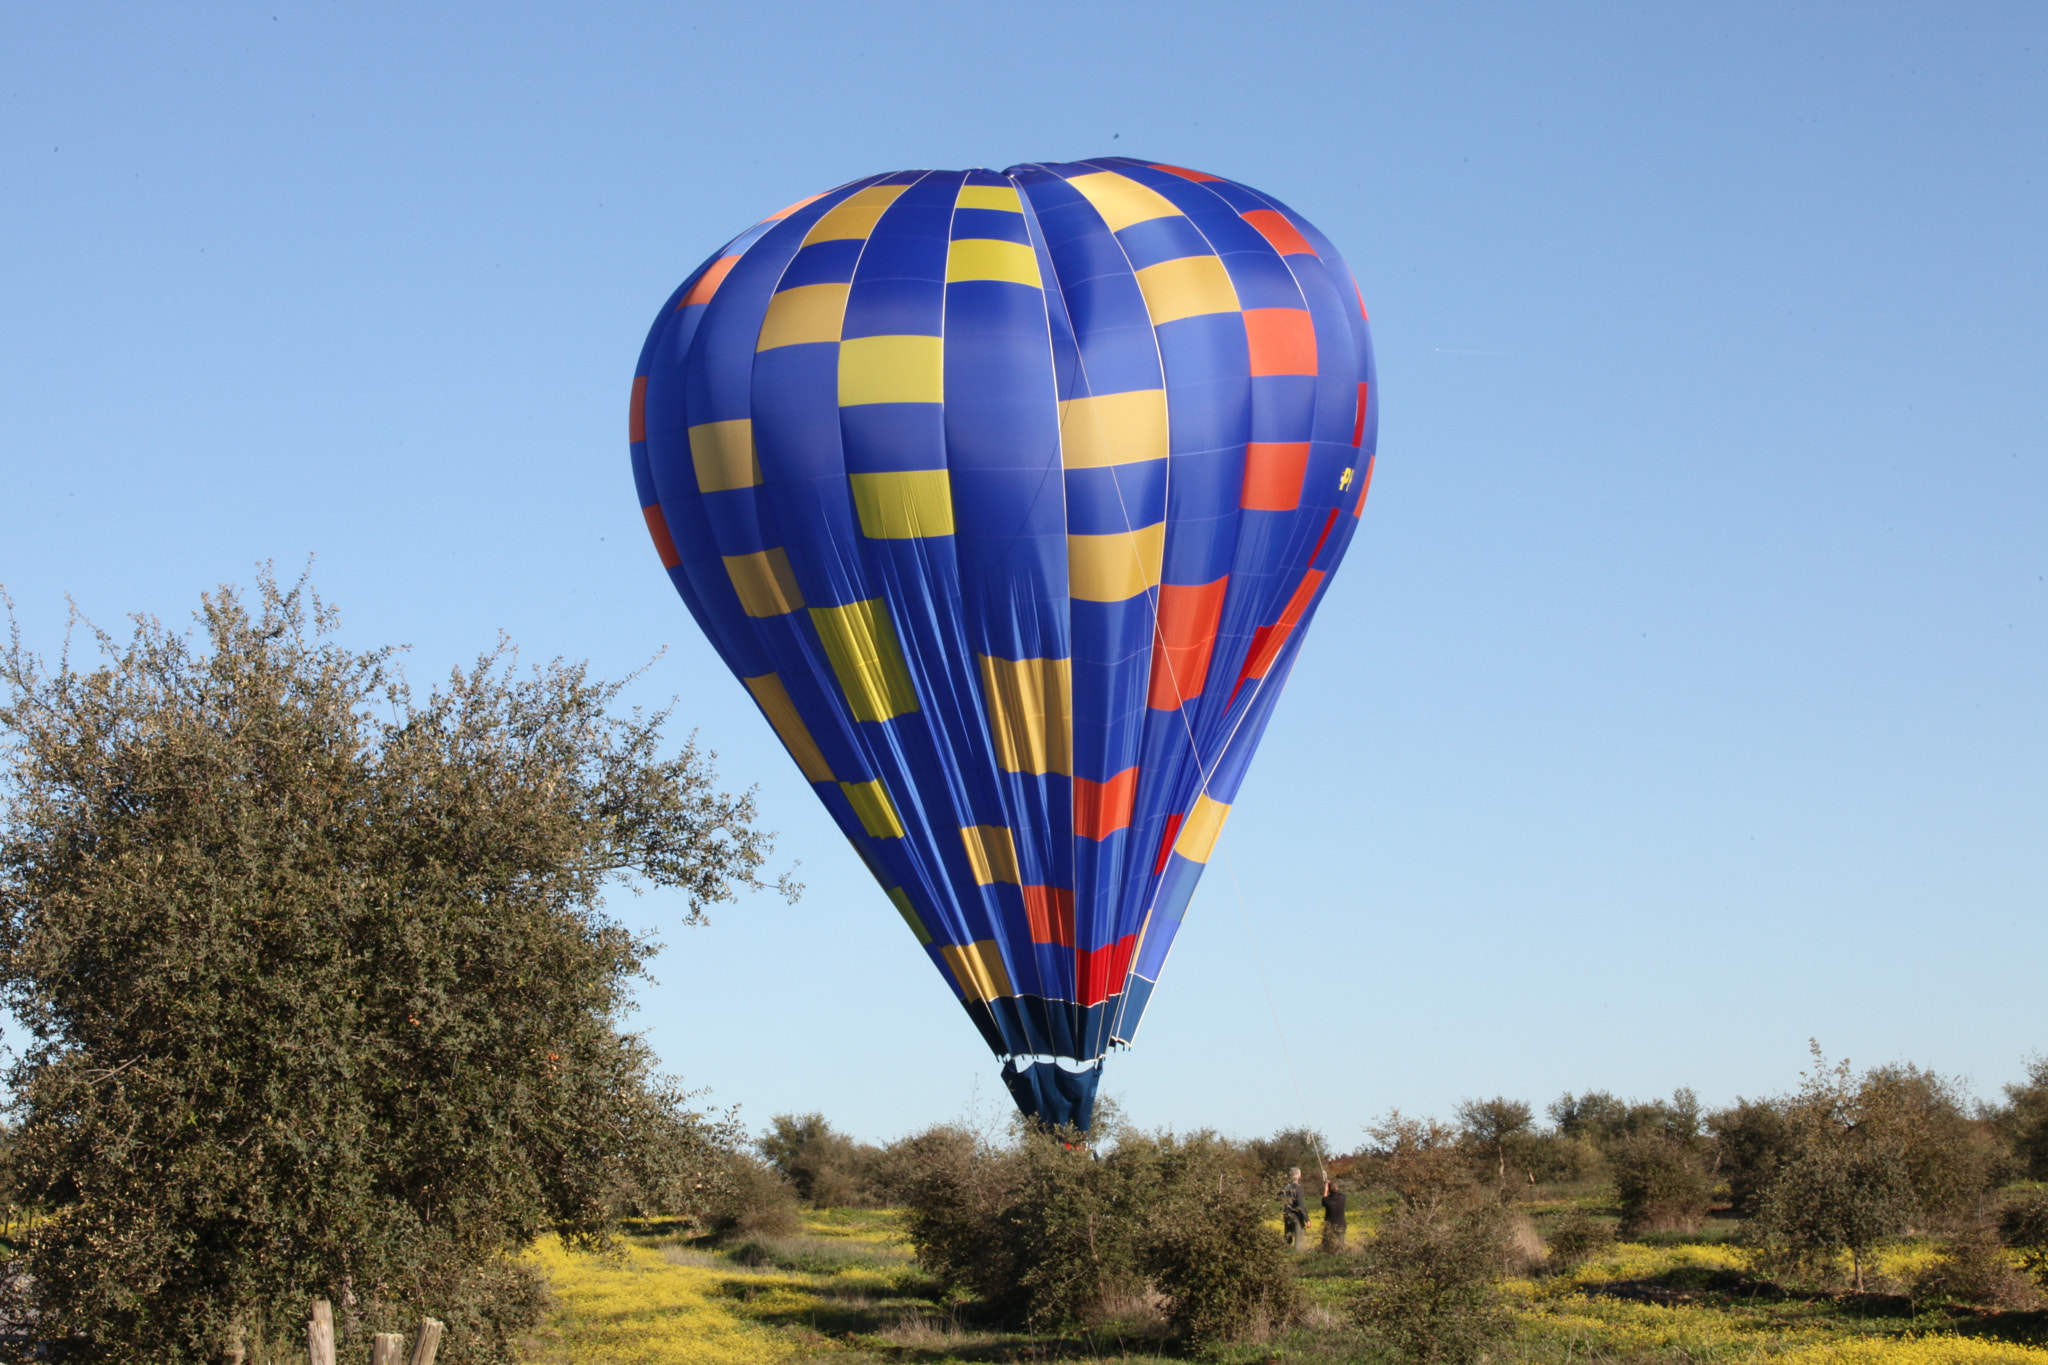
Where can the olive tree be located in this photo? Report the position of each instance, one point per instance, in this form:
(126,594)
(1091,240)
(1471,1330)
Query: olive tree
(320,994)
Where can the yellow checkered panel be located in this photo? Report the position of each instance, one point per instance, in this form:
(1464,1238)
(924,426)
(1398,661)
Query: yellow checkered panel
(901,506)
(900,898)
(773,699)
(722,454)
(1186,288)
(1115,567)
(978,968)
(866,659)
(876,811)
(1122,201)
(765,582)
(992,853)
(807,313)
(1030,713)
(854,217)
(1113,429)
(980,258)
(901,369)
(1202,828)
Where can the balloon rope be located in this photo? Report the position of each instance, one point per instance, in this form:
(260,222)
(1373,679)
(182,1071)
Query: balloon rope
(1274,1007)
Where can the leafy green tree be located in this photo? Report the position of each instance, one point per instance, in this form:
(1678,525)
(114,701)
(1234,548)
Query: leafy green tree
(1846,1184)
(1591,1115)
(321,998)
(1271,1158)
(826,1168)
(1491,1125)
(1952,1158)
(1419,1159)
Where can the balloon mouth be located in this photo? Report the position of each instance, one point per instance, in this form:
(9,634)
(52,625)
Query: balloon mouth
(1076,1065)
(1059,1091)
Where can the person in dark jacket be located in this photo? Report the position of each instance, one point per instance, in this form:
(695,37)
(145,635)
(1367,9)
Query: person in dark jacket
(1293,1211)
(1333,1216)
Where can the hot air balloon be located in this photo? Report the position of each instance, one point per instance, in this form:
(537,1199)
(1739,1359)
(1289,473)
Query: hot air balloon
(1009,495)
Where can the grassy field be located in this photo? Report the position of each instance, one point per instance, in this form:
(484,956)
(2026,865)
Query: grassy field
(846,1289)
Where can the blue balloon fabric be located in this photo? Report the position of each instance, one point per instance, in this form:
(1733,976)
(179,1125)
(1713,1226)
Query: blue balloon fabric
(1009,497)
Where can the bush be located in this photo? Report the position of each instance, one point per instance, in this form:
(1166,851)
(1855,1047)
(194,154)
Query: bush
(1659,1184)
(826,1168)
(1492,1128)
(1579,1238)
(1753,1139)
(1607,1120)
(1419,1159)
(1046,1233)
(1974,1268)
(1269,1159)
(756,1201)
(1428,1290)
(2025,1229)
(957,1191)
(1206,1247)
(2024,1120)
(1553,1158)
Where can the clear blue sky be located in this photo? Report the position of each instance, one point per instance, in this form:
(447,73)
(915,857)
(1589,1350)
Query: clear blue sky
(1693,655)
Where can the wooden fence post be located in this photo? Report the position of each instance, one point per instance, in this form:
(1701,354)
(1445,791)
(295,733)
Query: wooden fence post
(385,1348)
(427,1343)
(320,1334)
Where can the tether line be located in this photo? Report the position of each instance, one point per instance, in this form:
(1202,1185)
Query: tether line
(1274,1008)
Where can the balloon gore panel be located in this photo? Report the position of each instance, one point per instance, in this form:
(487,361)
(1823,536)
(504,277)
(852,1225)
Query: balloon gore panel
(1009,497)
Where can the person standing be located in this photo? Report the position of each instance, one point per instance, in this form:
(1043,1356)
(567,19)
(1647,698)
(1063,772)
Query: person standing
(1293,1211)
(1333,1216)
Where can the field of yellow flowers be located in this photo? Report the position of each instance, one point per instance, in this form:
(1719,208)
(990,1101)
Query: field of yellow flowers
(847,1290)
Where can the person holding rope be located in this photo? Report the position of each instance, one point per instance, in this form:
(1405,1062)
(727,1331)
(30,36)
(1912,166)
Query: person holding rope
(1293,1212)
(1333,1215)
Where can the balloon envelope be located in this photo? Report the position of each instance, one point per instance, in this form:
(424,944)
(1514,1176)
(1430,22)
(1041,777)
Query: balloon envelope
(1009,496)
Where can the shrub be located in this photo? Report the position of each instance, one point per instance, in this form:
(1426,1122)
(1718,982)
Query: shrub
(1075,1224)
(1659,1184)
(826,1168)
(1427,1291)
(1206,1247)
(2025,1229)
(756,1201)
(2024,1120)
(1046,1233)
(1974,1268)
(1555,1158)
(1606,1119)
(1269,1159)
(957,1191)
(1753,1140)
(1579,1238)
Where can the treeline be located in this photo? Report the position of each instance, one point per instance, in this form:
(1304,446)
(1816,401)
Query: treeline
(1042,1229)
